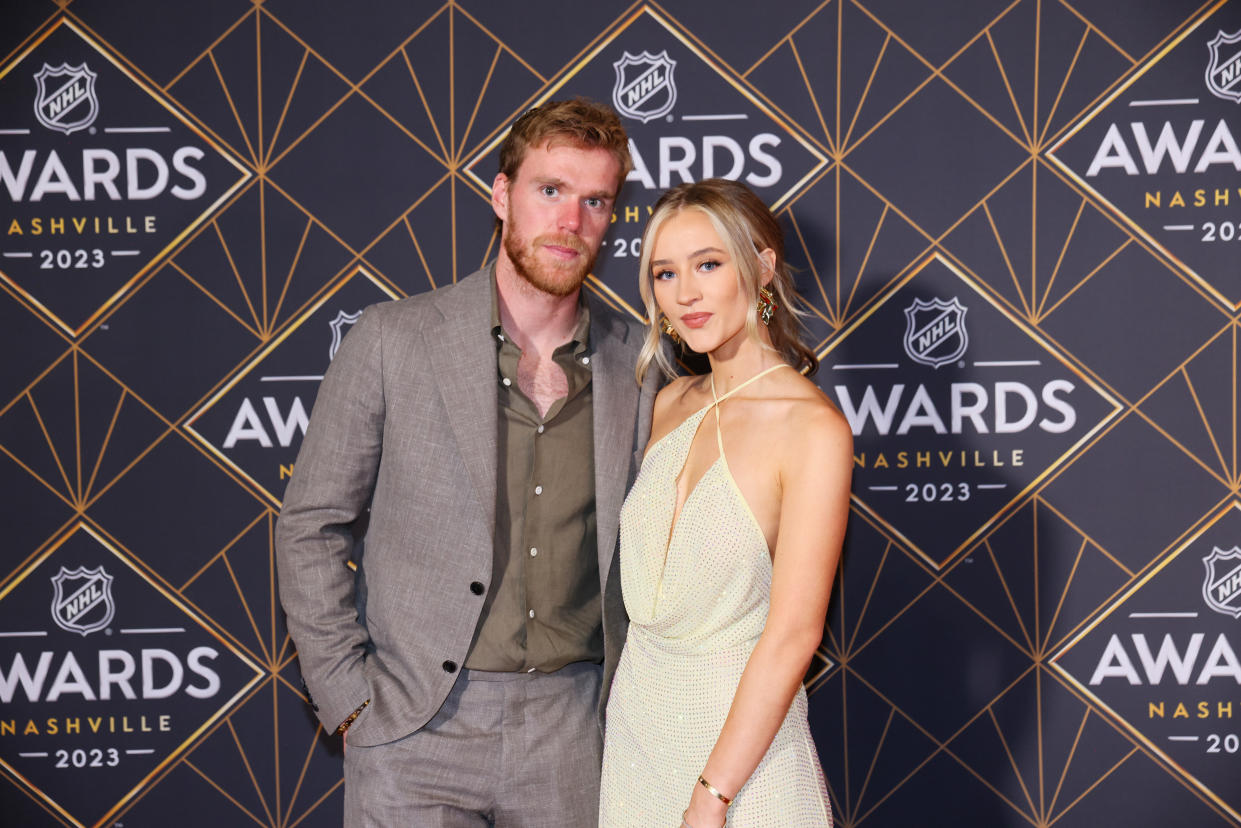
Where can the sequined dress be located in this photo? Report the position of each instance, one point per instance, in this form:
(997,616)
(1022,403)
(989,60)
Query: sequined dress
(697,594)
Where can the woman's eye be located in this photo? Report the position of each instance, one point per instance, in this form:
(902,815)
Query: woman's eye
(664,275)
(709,265)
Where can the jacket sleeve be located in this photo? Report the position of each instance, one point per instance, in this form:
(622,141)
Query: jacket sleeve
(325,507)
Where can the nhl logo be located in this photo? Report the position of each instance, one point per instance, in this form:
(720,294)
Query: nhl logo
(82,599)
(935,332)
(338,325)
(1224,68)
(65,97)
(644,87)
(1221,588)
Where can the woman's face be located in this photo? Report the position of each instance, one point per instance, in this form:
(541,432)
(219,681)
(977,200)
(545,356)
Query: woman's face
(696,282)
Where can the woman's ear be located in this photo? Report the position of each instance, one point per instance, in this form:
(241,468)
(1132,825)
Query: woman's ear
(768,258)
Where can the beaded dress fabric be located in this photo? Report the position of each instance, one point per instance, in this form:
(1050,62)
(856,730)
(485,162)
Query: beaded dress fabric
(697,594)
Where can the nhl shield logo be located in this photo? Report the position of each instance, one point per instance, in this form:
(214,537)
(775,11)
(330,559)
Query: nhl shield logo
(1221,588)
(339,325)
(65,97)
(935,331)
(82,599)
(644,87)
(1224,69)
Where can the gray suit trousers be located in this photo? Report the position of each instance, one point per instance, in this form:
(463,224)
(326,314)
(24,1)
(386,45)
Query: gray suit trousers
(512,750)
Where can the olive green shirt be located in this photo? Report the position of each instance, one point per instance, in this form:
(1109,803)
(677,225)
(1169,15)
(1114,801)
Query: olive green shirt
(543,609)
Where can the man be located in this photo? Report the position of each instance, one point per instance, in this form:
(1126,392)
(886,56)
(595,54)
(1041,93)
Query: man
(482,436)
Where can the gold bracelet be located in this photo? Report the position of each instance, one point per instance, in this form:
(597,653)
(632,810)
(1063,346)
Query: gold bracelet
(714,791)
(345,724)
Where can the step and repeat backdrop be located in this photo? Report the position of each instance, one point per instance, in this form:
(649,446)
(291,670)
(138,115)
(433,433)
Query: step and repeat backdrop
(1017,229)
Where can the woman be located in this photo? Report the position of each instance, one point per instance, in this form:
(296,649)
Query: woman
(729,537)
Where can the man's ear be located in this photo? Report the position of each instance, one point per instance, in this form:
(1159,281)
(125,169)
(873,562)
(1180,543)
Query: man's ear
(499,196)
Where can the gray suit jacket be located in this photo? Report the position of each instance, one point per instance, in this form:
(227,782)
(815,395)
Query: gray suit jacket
(405,423)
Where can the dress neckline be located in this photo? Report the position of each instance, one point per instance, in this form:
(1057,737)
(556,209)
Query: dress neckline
(716,400)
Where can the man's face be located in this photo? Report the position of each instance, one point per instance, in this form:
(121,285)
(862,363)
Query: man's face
(555,211)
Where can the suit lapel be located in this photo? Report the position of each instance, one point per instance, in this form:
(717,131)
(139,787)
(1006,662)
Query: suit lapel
(615,402)
(463,358)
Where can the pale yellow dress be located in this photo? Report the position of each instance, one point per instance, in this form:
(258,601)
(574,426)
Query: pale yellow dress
(697,594)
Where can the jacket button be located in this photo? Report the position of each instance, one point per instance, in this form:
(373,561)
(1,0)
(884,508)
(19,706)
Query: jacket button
(477,588)
(450,666)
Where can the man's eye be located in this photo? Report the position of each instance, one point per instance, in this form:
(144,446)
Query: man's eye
(594,203)
(549,190)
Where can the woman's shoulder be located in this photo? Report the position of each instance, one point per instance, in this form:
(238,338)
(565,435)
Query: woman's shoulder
(808,415)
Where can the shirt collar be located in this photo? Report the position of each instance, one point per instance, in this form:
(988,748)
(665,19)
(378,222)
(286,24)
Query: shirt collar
(580,342)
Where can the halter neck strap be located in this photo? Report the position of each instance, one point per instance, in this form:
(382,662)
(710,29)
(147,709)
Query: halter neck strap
(719,399)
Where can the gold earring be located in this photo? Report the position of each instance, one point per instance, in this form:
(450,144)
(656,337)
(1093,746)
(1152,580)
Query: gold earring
(766,305)
(668,329)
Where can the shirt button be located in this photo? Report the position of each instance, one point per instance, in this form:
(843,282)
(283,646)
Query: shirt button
(534,552)
(531,613)
(538,490)
(449,666)
(506,381)
(531,670)
(477,588)
(585,360)
(540,429)
(500,337)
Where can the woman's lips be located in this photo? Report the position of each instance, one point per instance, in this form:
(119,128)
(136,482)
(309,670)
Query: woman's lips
(695,320)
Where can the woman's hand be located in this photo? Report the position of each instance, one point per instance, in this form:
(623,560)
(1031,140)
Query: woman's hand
(705,811)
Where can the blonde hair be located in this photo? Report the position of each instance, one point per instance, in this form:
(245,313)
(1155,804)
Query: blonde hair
(746,226)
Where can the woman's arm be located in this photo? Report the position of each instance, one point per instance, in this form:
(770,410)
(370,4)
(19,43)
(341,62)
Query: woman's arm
(814,472)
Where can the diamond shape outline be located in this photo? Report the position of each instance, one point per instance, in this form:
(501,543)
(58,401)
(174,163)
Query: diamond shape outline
(1098,196)
(178,752)
(1016,500)
(1124,723)
(149,267)
(254,363)
(714,64)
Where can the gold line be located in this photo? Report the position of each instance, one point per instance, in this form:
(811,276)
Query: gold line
(874,759)
(1189,383)
(801,68)
(210,562)
(834,141)
(1233,470)
(258,87)
(1211,471)
(452,78)
(1038,689)
(1098,31)
(339,783)
(68,501)
(1012,603)
(77,428)
(857,281)
(466,14)
(426,107)
(1068,239)
(1093,785)
(236,273)
(874,70)
(103,448)
(254,624)
(55,454)
(1064,84)
(245,760)
(1087,278)
(385,231)
(273,600)
(1129,572)
(1004,252)
(789,36)
(186,761)
(236,115)
(1038,33)
(1011,95)
(418,249)
(831,317)
(276,186)
(267,320)
(301,776)
(276,752)
(257,334)
(1064,594)
(288,277)
(204,53)
(874,582)
(1064,772)
(478,102)
(284,112)
(1012,762)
